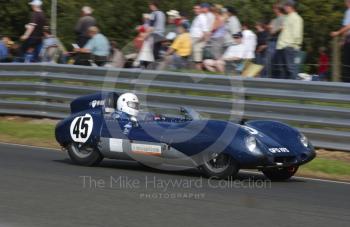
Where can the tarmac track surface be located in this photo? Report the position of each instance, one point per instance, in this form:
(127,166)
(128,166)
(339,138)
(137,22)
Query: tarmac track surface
(41,187)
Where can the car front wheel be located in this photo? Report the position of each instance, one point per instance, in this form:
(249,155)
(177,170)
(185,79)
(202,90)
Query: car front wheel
(83,155)
(280,174)
(219,166)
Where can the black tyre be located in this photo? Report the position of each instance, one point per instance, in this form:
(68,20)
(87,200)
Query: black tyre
(85,156)
(280,174)
(219,166)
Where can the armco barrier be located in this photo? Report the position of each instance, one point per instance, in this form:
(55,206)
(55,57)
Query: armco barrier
(319,109)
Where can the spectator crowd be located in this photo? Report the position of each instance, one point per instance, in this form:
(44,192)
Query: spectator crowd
(214,40)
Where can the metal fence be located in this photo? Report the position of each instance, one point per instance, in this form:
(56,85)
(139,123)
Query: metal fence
(319,109)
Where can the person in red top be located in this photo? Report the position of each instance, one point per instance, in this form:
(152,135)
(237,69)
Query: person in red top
(142,32)
(323,64)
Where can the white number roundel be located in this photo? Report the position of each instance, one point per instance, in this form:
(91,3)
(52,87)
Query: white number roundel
(81,128)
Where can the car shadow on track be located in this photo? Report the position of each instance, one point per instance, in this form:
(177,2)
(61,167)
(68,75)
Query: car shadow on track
(136,167)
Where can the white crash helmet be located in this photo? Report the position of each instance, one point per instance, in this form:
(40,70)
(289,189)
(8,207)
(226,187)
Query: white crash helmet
(128,103)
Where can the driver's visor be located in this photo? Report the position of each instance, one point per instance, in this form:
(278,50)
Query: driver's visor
(134,105)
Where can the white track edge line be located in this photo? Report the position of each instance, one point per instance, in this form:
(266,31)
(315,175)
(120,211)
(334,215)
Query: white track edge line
(305,178)
(29,146)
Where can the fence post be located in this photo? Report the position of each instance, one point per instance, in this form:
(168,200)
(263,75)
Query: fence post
(336,60)
(54,17)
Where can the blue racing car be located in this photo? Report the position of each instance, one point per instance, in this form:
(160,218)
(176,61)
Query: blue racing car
(109,125)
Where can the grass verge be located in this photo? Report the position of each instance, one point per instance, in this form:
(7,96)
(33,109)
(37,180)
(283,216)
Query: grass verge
(328,165)
(327,169)
(28,132)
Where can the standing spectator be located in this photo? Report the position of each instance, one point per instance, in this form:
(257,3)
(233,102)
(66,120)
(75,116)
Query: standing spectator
(184,19)
(181,48)
(261,49)
(233,25)
(207,11)
(142,32)
(174,20)
(249,42)
(199,33)
(323,64)
(275,28)
(98,46)
(145,55)
(290,41)
(171,29)
(217,39)
(346,48)
(157,28)
(84,23)
(32,38)
(3,51)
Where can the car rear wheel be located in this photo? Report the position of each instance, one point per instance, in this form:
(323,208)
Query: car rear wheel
(219,166)
(280,174)
(84,155)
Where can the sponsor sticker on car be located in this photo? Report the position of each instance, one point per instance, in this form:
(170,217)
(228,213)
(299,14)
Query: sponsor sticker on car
(146,149)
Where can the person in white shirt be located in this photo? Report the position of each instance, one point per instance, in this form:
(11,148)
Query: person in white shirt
(199,33)
(234,54)
(250,42)
(206,10)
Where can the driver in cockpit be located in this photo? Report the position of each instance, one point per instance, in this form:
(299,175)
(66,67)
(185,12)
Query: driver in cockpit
(128,106)
(127,109)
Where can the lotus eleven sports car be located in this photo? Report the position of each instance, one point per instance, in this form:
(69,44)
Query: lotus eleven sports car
(111,126)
